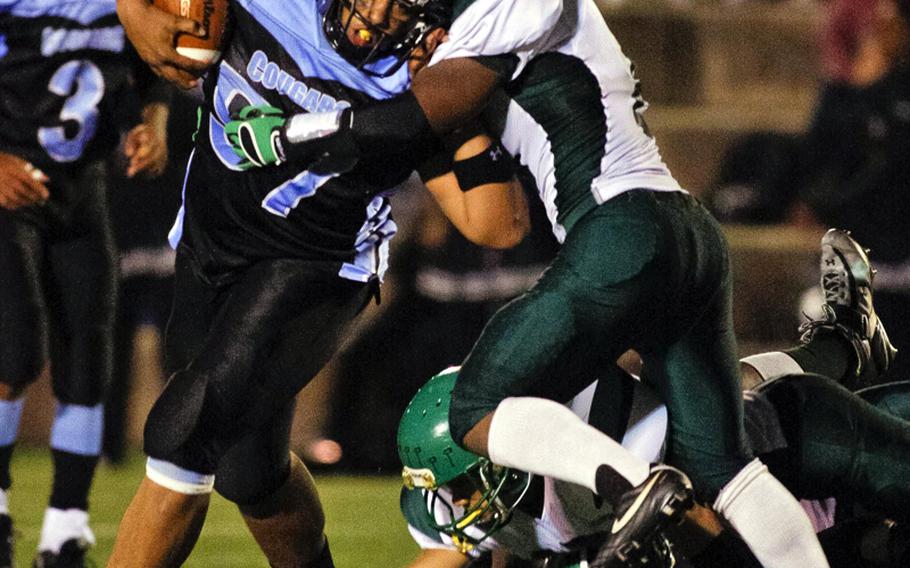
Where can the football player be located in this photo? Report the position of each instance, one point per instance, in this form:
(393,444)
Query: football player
(642,266)
(69,90)
(273,263)
(817,436)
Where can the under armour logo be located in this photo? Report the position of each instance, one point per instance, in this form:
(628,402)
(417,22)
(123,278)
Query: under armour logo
(495,153)
(830,262)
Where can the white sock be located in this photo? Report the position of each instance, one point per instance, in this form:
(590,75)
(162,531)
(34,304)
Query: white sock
(63,525)
(770,520)
(546,438)
(773,365)
(4,503)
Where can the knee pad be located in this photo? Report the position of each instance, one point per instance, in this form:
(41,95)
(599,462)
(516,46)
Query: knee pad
(176,414)
(176,478)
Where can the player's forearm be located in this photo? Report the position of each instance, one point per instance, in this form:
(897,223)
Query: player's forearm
(394,127)
(493,215)
(155,115)
(447,96)
(477,189)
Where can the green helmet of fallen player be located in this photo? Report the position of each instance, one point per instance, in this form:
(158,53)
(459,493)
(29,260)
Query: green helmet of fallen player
(476,492)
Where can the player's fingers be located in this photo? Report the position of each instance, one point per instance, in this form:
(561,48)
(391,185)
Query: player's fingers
(32,192)
(134,167)
(31,182)
(8,196)
(187,26)
(36,174)
(140,161)
(20,194)
(9,200)
(131,142)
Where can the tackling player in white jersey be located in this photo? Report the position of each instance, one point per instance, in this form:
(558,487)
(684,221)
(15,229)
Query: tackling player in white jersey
(823,440)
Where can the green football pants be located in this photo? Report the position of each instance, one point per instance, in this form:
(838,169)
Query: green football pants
(844,445)
(647,271)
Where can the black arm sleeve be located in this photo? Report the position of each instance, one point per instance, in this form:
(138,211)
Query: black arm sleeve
(441,162)
(393,131)
(397,125)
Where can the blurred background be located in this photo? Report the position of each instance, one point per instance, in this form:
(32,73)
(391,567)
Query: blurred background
(785,117)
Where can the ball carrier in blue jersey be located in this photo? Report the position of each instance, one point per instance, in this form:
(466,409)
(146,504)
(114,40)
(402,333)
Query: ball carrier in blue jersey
(69,89)
(273,263)
(643,266)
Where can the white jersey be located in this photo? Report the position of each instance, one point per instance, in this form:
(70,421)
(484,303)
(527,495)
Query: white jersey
(568,510)
(572,111)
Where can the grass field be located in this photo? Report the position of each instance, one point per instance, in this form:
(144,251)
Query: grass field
(362,520)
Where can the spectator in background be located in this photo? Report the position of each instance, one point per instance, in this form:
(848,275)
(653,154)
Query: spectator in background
(856,171)
(755,182)
(847,24)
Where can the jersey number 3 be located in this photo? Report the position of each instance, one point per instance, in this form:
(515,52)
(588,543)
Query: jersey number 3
(82,83)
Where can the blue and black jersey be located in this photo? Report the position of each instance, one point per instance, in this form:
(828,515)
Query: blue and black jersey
(68,81)
(278,54)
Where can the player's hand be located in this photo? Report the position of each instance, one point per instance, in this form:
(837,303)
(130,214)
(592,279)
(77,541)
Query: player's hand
(255,136)
(153,32)
(21,183)
(146,150)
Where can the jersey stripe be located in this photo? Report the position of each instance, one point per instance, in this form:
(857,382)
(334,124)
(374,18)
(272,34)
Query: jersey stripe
(551,84)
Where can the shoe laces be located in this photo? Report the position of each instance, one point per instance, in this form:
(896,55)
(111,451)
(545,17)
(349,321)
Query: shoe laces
(808,328)
(835,287)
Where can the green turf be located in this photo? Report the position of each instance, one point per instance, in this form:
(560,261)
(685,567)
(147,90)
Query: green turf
(362,519)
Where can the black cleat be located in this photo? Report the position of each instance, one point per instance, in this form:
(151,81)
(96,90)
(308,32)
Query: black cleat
(6,541)
(642,513)
(71,555)
(846,279)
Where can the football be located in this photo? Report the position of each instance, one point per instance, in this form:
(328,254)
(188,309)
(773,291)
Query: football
(212,14)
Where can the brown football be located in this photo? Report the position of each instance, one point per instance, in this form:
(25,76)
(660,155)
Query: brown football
(212,14)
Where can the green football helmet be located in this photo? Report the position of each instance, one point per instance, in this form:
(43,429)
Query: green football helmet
(433,461)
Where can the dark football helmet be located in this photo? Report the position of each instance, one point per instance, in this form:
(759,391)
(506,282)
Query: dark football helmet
(383,51)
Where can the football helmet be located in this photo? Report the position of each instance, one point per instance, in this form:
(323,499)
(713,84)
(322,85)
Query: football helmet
(435,464)
(383,51)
